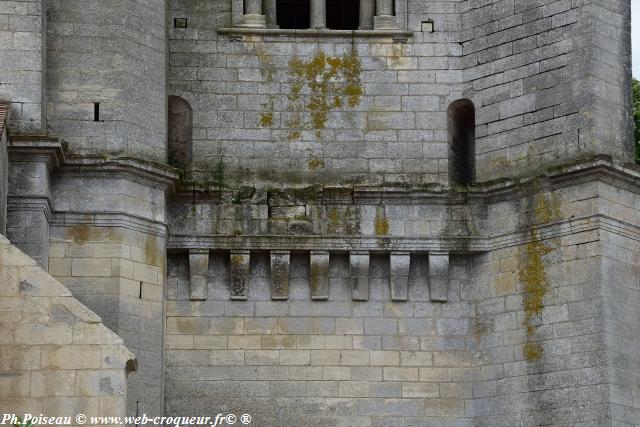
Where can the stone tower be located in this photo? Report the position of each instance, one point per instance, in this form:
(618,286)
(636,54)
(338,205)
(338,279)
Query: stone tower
(372,213)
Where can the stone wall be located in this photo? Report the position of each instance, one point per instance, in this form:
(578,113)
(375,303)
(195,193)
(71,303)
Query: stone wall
(23,63)
(337,362)
(56,357)
(108,247)
(275,109)
(530,329)
(112,53)
(118,273)
(385,117)
(538,72)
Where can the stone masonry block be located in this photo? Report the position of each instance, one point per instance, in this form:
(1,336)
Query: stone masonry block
(198,274)
(399,275)
(359,271)
(438,276)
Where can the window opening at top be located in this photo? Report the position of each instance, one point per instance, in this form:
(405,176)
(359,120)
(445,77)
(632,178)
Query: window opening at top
(293,14)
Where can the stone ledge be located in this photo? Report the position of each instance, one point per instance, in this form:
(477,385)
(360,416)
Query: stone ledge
(397,35)
(453,244)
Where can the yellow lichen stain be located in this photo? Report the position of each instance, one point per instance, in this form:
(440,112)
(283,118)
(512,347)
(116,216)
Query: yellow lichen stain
(237,261)
(186,326)
(315,164)
(547,208)
(267,67)
(532,351)
(85,233)
(78,233)
(534,279)
(334,218)
(532,273)
(381,223)
(316,274)
(500,162)
(266,119)
(329,81)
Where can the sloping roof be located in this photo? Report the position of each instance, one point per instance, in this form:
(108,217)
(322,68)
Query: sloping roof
(4,112)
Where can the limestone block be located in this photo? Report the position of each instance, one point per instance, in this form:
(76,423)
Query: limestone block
(399,275)
(359,272)
(198,274)
(438,276)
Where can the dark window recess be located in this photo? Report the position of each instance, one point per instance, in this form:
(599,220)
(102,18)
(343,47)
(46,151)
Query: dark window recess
(180,23)
(96,111)
(140,291)
(180,133)
(343,14)
(462,150)
(293,14)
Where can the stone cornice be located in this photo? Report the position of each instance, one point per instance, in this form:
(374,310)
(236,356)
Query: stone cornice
(598,168)
(110,219)
(452,244)
(145,172)
(31,203)
(36,148)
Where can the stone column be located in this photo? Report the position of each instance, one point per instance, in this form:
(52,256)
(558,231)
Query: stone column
(384,19)
(271,13)
(253,17)
(366,15)
(318,14)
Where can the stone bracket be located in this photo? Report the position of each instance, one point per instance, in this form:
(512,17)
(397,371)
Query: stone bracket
(240,273)
(439,276)
(198,274)
(399,263)
(280,264)
(359,272)
(319,270)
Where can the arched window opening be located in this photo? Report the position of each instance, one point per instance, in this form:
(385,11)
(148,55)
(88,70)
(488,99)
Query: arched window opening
(462,150)
(343,14)
(180,134)
(295,14)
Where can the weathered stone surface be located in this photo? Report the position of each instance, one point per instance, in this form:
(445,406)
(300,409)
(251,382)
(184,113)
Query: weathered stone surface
(44,352)
(324,157)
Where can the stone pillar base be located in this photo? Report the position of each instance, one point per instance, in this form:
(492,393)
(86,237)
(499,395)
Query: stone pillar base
(253,21)
(385,22)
